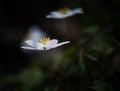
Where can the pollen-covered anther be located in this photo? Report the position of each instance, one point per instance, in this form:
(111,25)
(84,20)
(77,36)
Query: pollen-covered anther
(64,11)
(44,40)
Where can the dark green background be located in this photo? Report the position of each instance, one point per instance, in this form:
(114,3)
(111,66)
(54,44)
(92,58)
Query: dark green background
(89,63)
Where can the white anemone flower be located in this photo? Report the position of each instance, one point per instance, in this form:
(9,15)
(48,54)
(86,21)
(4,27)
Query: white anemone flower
(64,12)
(44,44)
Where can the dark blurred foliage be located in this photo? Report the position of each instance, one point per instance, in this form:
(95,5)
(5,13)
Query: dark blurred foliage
(91,62)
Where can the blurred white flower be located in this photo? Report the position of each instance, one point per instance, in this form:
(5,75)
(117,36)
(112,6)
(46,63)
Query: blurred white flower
(35,33)
(44,44)
(64,12)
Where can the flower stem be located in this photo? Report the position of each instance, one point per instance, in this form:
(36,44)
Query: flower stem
(47,66)
(44,58)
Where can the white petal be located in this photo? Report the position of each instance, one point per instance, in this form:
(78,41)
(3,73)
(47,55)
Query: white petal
(34,44)
(73,12)
(78,11)
(55,14)
(36,33)
(51,43)
(70,13)
(29,42)
(58,15)
(31,48)
(39,45)
(55,17)
(48,16)
(62,43)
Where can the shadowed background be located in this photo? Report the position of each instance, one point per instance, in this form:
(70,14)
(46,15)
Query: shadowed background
(99,22)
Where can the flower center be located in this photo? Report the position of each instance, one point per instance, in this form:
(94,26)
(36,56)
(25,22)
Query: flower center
(64,11)
(44,40)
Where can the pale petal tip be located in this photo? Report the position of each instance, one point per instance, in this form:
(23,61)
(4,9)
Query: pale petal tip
(23,47)
(48,16)
(79,10)
(67,42)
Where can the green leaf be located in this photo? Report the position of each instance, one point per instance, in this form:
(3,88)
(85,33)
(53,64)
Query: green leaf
(69,55)
(31,77)
(81,66)
(66,71)
(91,29)
(100,85)
(47,89)
(67,61)
(91,54)
(82,41)
(101,45)
(55,88)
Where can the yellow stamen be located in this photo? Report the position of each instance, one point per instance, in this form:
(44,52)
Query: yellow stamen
(44,40)
(64,11)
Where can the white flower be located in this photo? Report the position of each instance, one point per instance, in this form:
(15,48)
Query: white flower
(44,44)
(64,12)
